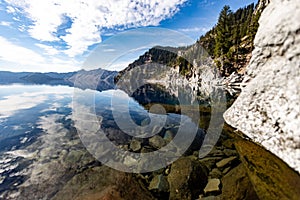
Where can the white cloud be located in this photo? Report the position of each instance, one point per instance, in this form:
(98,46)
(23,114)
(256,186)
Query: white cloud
(17,58)
(10,9)
(109,50)
(4,23)
(90,18)
(60,65)
(17,54)
(51,65)
(48,49)
(16,19)
(22,28)
(195,29)
(206,3)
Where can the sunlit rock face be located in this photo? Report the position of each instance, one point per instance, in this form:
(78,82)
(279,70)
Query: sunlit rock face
(268,109)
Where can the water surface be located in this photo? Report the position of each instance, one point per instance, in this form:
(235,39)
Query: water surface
(39,142)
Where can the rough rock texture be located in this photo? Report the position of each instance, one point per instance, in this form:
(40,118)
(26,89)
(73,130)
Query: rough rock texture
(159,183)
(213,186)
(135,145)
(102,183)
(236,185)
(270,176)
(157,142)
(268,109)
(187,179)
(223,163)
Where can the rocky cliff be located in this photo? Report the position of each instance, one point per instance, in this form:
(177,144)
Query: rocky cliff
(188,69)
(268,108)
(203,66)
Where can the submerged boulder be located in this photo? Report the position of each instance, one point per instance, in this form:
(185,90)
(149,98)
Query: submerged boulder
(187,178)
(237,185)
(213,186)
(159,183)
(103,183)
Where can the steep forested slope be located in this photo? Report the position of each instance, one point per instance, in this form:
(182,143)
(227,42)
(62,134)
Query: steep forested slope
(229,43)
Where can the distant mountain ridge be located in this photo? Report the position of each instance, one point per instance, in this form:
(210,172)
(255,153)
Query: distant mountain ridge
(98,79)
(34,77)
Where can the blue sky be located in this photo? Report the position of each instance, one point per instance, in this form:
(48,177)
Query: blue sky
(59,35)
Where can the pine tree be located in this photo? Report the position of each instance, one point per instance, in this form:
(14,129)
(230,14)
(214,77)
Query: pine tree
(223,32)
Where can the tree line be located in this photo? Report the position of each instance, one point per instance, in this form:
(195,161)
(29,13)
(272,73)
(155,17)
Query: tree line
(231,39)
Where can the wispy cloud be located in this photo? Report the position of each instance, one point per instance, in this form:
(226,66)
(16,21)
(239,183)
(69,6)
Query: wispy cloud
(194,29)
(109,50)
(10,9)
(22,28)
(206,3)
(48,49)
(88,18)
(4,23)
(21,57)
(13,53)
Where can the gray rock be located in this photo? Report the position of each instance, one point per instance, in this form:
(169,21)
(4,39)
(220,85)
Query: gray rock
(168,136)
(216,153)
(187,178)
(101,183)
(130,161)
(229,144)
(159,183)
(215,173)
(124,147)
(230,152)
(210,198)
(267,109)
(226,170)
(225,162)
(270,176)
(135,145)
(74,156)
(213,186)
(146,149)
(210,162)
(237,185)
(196,154)
(157,142)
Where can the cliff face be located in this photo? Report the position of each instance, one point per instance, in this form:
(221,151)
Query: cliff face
(268,108)
(201,66)
(188,69)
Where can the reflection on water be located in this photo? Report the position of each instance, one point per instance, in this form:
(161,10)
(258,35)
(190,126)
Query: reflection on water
(40,146)
(27,112)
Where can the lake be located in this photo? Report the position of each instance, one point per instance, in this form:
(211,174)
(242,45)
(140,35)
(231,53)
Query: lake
(61,142)
(44,138)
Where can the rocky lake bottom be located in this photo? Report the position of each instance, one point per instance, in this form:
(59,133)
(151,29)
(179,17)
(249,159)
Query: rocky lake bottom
(43,156)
